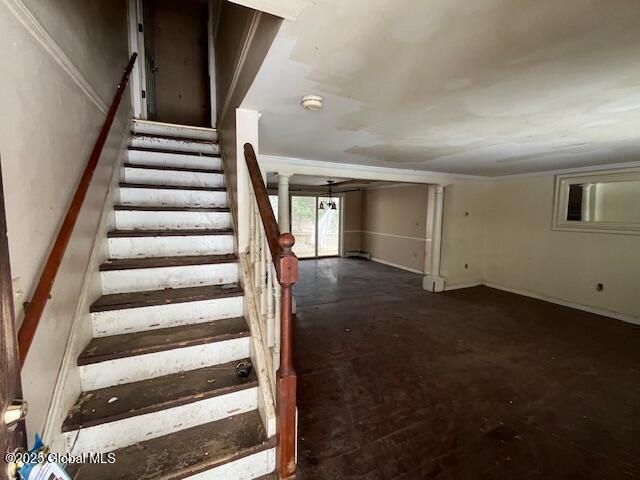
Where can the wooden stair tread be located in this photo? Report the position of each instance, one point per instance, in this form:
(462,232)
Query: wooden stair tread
(176,138)
(186,452)
(147,396)
(173,152)
(101,349)
(160,262)
(142,208)
(151,186)
(119,301)
(168,233)
(172,169)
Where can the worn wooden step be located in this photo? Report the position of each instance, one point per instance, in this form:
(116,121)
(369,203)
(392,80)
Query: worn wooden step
(132,357)
(152,127)
(158,150)
(165,243)
(167,233)
(172,187)
(156,273)
(176,138)
(123,401)
(135,217)
(171,175)
(159,262)
(144,194)
(173,144)
(151,298)
(232,448)
(144,208)
(146,156)
(120,313)
(141,343)
(171,169)
(115,417)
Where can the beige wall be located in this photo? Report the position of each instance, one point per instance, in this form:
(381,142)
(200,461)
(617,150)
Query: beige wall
(352,221)
(49,127)
(394,225)
(508,242)
(233,33)
(463,233)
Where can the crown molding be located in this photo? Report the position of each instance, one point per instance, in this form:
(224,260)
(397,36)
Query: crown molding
(37,31)
(565,171)
(300,166)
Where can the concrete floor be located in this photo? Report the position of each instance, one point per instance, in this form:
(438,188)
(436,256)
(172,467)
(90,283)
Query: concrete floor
(398,383)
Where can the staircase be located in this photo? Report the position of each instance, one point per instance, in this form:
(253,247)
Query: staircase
(159,378)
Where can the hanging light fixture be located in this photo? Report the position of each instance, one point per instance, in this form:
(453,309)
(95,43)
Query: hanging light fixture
(331,204)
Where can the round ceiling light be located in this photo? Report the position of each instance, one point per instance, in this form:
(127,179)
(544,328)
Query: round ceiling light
(312,102)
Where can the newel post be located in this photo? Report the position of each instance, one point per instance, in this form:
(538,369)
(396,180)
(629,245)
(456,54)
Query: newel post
(287,267)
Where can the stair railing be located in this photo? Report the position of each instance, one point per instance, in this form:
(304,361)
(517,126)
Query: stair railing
(42,293)
(274,272)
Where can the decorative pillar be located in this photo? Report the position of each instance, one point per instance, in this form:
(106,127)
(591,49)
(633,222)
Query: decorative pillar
(283,202)
(433,282)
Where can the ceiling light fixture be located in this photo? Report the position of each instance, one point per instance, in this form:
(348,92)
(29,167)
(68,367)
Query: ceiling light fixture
(312,102)
(331,204)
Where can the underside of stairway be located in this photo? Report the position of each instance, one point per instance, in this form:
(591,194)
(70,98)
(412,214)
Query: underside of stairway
(160,381)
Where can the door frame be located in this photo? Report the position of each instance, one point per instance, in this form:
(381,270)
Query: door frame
(136,45)
(10,378)
(340,222)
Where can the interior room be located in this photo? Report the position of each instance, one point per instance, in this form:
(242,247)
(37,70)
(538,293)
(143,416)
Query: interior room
(320,239)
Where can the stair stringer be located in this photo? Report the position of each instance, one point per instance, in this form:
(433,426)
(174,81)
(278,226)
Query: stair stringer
(67,387)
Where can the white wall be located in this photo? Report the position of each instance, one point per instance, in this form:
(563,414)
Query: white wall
(463,233)
(60,65)
(507,242)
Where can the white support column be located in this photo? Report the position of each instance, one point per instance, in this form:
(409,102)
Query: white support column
(433,282)
(283,202)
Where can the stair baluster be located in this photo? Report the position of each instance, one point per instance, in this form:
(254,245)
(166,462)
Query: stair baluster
(275,271)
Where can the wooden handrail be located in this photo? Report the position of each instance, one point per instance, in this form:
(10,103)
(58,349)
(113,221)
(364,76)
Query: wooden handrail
(42,292)
(271,229)
(286,264)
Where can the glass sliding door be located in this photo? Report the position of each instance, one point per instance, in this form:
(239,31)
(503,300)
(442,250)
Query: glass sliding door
(303,225)
(328,227)
(315,222)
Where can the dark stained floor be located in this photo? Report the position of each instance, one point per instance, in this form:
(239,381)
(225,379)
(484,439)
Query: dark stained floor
(398,383)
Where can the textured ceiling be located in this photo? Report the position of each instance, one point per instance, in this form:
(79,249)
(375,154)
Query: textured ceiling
(483,87)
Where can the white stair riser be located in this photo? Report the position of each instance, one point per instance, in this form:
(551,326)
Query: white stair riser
(153,220)
(171,198)
(174,145)
(246,468)
(143,279)
(133,247)
(129,431)
(129,320)
(157,364)
(171,130)
(162,159)
(172,177)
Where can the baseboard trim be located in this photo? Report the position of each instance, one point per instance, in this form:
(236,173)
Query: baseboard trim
(354,254)
(395,265)
(460,286)
(577,306)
